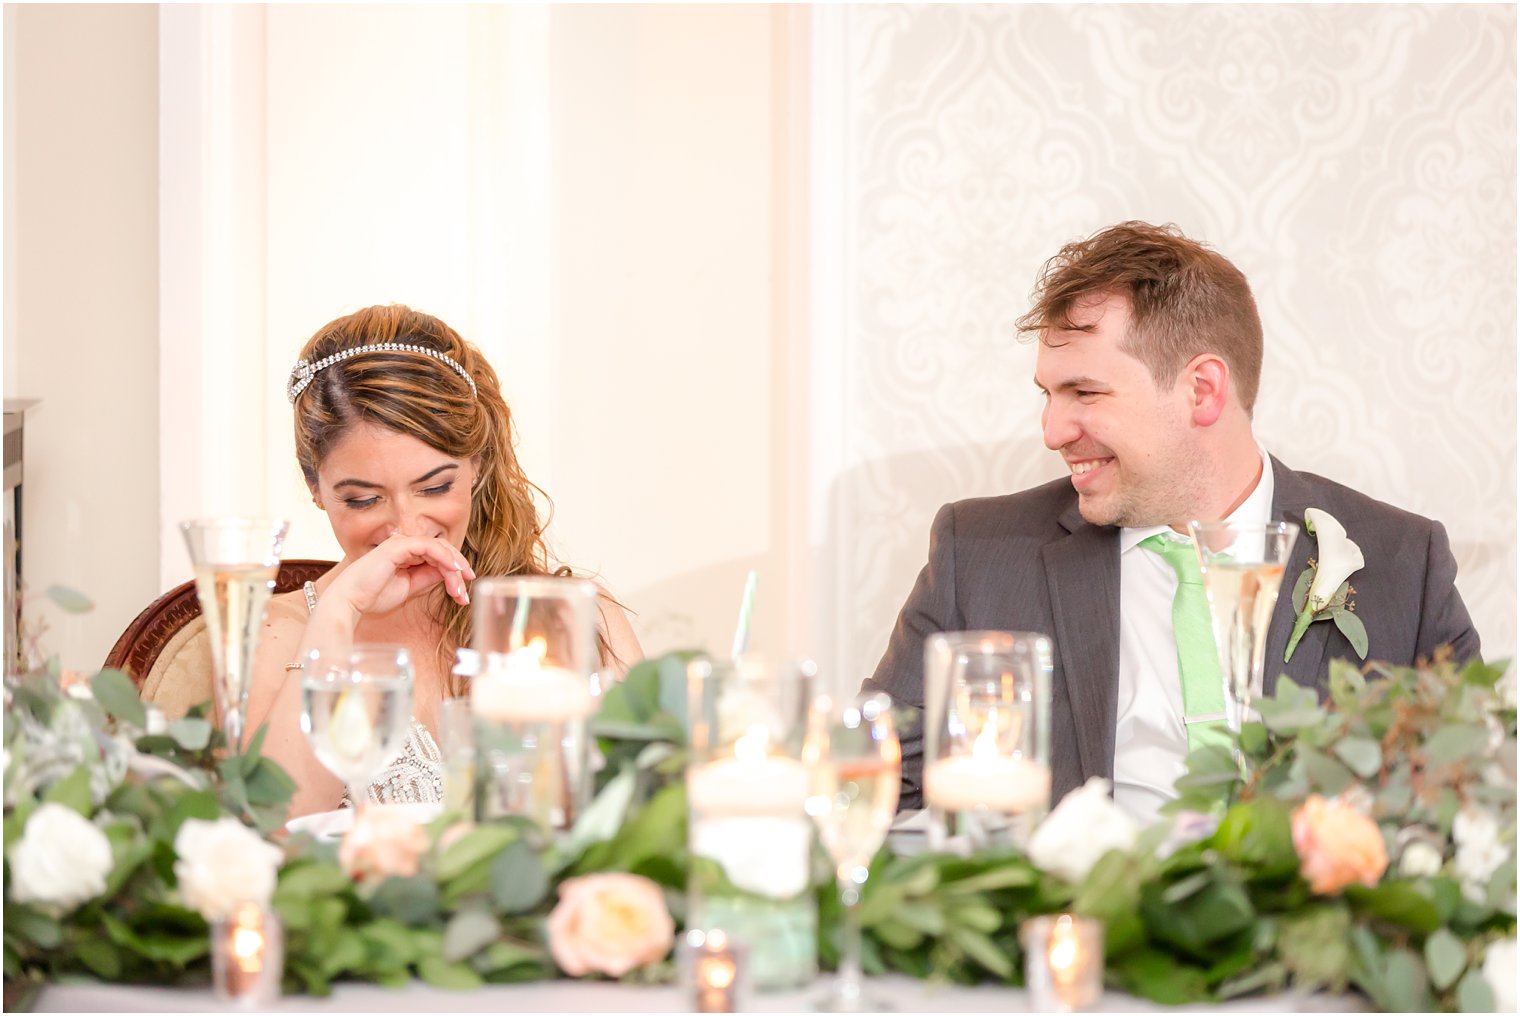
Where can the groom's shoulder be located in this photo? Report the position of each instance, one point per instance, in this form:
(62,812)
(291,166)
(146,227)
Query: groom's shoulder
(1352,507)
(1033,512)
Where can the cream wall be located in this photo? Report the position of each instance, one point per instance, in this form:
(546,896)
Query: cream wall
(1356,162)
(748,273)
(550,183)
(81,307)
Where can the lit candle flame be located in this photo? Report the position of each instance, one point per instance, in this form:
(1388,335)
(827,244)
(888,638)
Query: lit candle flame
(986,744)
(248,940)
(1065,949)
(753,745)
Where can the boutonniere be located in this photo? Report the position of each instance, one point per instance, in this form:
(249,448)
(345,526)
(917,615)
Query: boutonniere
(1323,592)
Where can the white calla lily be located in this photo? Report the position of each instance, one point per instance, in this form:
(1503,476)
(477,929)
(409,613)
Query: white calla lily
(1338,557)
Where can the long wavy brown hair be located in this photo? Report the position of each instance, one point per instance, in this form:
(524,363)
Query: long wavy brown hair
(414,394)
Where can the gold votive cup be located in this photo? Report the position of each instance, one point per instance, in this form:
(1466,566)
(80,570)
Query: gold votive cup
(248,957)
(1063,962)
(716,971)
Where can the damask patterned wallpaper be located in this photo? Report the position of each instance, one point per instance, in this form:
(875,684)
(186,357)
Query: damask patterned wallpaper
(1356,162)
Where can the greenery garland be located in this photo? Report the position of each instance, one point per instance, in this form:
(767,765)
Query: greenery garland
(1212,904)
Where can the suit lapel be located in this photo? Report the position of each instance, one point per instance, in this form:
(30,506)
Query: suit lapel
(1290,498)
(1082,572)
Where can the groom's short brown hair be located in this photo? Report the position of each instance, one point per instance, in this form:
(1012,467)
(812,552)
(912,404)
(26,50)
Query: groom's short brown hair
(1185,299)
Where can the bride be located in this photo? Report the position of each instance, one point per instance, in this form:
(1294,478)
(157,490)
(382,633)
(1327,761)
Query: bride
(406,443)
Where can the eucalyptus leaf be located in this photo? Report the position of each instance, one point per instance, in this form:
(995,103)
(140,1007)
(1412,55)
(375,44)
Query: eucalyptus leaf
(469,931)
(117,695)
(70,601)
(1351,626)
(191,733)
(1455,742)
(518,879)
(1362,754)
(482,842)
(73,791)
(606,813)
(1404,982)
(412,900)
(1475,994)
(1445,958)
(1301,590)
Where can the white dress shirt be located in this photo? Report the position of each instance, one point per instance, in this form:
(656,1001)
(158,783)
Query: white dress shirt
(1150,739)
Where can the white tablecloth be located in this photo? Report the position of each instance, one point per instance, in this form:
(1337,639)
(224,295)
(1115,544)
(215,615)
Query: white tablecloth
(904,994)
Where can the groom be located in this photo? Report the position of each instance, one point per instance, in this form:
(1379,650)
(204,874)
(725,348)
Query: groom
(1149,358)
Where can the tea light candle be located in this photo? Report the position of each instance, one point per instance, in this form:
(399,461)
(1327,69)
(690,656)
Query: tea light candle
(1063,962)
(1006,783)
(714,971)
(518,688)
(751,781)
(248,956)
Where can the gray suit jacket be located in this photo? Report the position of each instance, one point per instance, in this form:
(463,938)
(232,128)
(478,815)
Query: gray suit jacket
(1029,562)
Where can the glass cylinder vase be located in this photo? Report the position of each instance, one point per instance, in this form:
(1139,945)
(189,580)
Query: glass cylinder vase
(533,697)
(750,836)
(986,736)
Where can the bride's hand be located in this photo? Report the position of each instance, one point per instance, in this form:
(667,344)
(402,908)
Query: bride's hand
(397,570)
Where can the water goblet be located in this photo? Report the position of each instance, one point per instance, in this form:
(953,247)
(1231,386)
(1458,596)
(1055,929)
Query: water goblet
(1242,565)
(855,768)
(355,710)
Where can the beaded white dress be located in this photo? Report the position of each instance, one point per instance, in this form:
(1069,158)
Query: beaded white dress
(415,776)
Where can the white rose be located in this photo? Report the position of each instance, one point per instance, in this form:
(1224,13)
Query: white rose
(1504,688)
(1479,852)
(764,856)
(61,860)
(1086,825)
(1499,972)
(222,864)
(1419,860)
(1337,557)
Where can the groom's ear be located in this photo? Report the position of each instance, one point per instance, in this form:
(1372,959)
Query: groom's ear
(1207,381)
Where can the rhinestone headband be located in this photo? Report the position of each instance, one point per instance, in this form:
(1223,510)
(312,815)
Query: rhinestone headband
(302,373)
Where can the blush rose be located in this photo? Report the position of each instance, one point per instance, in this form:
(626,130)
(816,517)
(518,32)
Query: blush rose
(609,924)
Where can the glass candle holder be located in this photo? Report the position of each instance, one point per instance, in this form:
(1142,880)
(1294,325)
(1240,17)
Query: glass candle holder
(248,957)
(986,736)
(714,966)
(750,836)
(1063,962)
(456,728)
(533,698)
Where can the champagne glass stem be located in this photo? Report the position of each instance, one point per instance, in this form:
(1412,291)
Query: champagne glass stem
(848,984)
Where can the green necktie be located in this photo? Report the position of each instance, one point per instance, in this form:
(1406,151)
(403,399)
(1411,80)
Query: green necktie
(1197,657)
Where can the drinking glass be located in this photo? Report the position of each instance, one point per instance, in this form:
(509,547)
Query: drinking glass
(235,563)
(1242,565)
(456,729)
(855,768)
(355,710)
(986,736)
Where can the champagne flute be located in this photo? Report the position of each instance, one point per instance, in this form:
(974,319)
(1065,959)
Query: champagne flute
(855,768)
(355,710)
(235,563)
(1242,565)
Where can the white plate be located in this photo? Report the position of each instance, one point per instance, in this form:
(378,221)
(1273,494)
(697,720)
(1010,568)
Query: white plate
(331,825)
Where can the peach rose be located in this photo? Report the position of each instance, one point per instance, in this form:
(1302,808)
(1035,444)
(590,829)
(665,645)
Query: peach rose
(1337,845)
(384,841)
(609,924)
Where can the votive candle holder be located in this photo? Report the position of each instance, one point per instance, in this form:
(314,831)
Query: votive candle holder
(1063,962)
(248,957)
